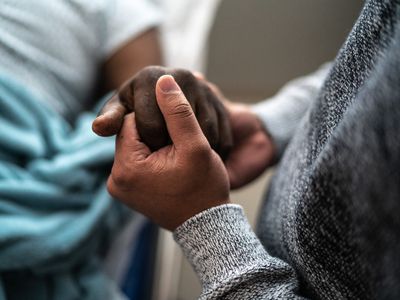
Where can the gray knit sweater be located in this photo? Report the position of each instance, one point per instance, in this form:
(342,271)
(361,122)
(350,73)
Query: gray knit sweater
(330,225)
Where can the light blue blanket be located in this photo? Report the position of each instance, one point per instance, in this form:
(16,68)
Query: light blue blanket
(55,213)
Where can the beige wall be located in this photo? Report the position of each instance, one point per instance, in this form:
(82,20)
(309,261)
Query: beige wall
(258,45)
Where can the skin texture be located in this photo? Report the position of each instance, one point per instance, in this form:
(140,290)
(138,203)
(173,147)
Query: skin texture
(253,149)
(177,181)
(138,95)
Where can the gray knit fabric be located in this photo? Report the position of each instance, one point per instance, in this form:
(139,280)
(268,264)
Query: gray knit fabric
(330,225)
(282,113)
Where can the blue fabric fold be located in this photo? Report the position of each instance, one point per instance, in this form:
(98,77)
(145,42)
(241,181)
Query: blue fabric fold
(55,212)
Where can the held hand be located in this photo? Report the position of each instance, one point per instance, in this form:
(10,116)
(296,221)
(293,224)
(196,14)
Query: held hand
(138,95)
(253,150)
(177,181)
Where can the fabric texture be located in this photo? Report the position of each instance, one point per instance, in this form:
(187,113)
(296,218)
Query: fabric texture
(55,213)
(184,32)
(282,113)
(56,47)
(329,226)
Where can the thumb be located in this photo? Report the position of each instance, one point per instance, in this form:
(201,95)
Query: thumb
(110,119)
(182,125)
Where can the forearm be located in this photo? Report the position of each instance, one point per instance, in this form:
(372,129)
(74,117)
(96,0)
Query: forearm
(230,260)
(138,53)
(282,113)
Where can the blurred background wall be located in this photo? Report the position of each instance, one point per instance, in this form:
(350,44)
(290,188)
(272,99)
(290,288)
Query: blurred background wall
(256,46)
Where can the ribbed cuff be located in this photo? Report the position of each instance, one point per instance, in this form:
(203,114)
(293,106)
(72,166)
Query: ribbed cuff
(220,244)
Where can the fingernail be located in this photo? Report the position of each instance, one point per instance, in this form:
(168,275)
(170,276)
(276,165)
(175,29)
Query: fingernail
(168,84)
(101,115)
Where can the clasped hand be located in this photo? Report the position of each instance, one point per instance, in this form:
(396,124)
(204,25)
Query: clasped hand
(138,95)
(175,177)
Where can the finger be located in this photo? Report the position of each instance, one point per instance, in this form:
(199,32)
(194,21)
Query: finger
(150,122)
(225,130)
(217,92)
(110,118)
(149,119)
(207,116)
(193,89)
(128,143)
(189,86)
(182,125)
(199,75)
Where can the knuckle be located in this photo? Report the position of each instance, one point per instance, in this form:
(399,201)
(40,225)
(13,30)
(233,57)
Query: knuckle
(200,152)
(184,77)
(120,178)
(112,190)
(182,110)
(151,71)
(183,73)
(125,95)
(213,88)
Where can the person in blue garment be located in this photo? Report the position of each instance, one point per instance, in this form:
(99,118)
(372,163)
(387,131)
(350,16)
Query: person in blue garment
(329,227)
(56,59)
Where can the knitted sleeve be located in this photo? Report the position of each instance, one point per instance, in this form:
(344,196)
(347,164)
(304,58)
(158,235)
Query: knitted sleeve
(230,260)
(281,114)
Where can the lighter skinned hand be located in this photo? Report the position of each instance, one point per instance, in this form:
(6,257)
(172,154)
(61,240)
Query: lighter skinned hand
(177,181)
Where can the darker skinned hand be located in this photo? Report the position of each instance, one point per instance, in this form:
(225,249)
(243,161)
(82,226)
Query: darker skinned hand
(176,182)
(253,149)
(138,95)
